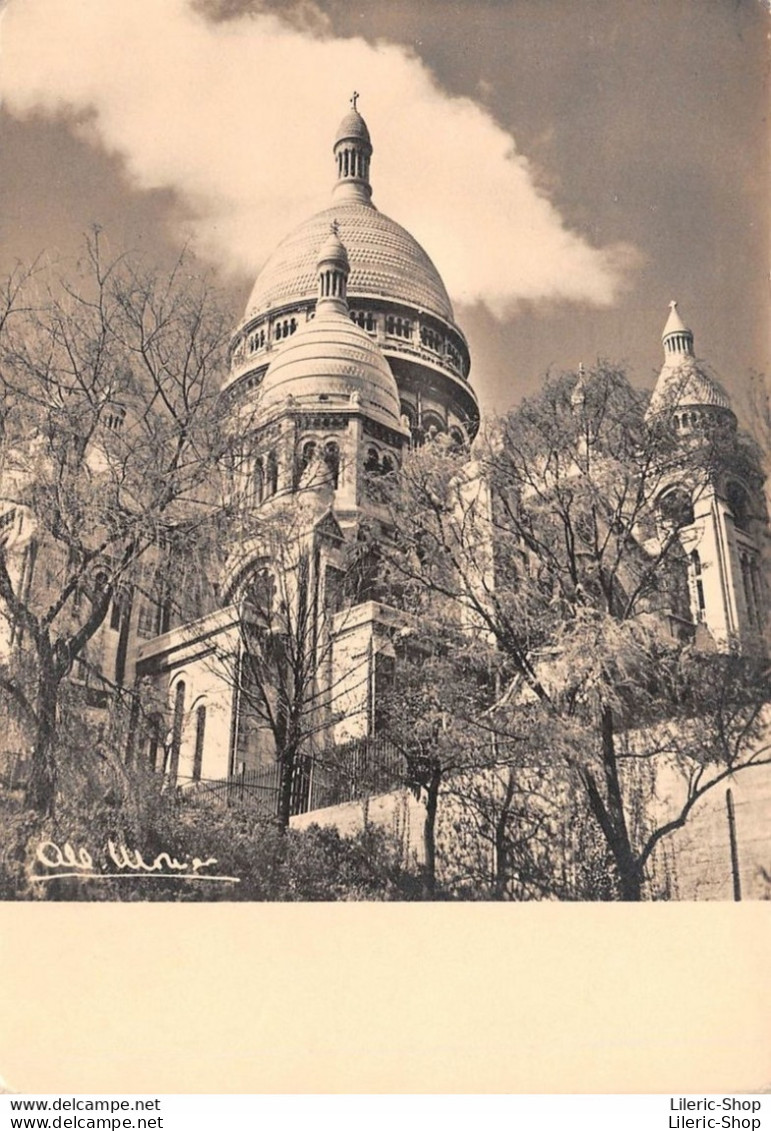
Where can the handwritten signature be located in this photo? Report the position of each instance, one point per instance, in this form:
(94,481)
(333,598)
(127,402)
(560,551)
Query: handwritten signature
(75,861)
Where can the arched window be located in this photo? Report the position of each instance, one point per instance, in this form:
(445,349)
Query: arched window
(260,594)
(676,507)
(432,424)
(271,475)
(738,501)
(116,611)
(332,460)
(176,729)
(458,439)
(258,481)
(751,586)
(200,730)
(409,412)
(307,453)
(372,462)
(386,465)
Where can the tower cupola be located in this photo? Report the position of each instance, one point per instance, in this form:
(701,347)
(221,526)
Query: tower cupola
(333,270)
(677,338)
(352,150)
(685,382)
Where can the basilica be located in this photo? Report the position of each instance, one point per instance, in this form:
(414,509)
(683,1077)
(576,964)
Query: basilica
(348,355)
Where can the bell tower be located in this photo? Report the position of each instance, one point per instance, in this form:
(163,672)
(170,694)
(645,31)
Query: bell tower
(718,502)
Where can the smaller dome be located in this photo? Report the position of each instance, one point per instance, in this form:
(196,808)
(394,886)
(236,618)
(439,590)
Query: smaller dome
(353,128)
(330,364)
(687,385)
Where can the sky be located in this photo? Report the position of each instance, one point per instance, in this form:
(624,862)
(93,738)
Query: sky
(569,165)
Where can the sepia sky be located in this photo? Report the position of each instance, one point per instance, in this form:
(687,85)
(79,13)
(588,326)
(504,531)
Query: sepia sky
(569,165)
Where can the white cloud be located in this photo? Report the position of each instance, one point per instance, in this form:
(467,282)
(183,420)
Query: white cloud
(238,118)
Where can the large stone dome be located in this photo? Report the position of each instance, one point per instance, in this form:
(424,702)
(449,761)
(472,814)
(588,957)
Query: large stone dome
(386,262)
(331,363)
(395,292)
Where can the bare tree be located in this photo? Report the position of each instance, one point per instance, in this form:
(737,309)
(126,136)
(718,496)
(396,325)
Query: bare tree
(110,441)
(560,549)
(294,583)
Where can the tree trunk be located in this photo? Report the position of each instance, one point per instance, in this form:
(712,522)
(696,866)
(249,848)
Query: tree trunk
(610,815)
(286,780)
(502,840)
(621,846)
(43,778)
(429,832)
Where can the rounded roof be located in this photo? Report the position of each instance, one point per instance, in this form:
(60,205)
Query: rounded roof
(352,127)
(334,251)
(332,364)
(386,262)
(687,384)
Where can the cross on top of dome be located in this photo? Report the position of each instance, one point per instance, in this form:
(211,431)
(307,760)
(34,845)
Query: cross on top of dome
(354,98)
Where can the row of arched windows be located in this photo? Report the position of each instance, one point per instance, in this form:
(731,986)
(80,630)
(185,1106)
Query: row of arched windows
(398,327)
(329,454)
(164,757)
(431,339)
(364,319)
(676,506)
(263,482)
(395,327)
(257,340)
(113,419)
(284,329)
(377,463)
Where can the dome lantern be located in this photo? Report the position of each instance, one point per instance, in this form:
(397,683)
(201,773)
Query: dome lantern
(352,150)
(677,338)
(333,270)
